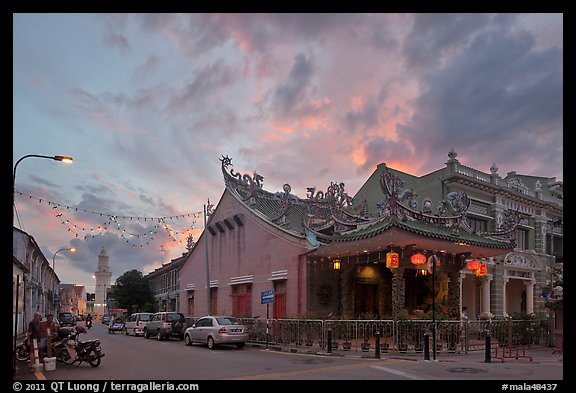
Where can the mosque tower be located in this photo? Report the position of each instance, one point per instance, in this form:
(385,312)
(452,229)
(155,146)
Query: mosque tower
(103,276)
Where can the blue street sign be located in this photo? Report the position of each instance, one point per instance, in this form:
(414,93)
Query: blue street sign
(267,296)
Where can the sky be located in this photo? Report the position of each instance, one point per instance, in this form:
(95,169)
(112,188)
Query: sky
(147,104)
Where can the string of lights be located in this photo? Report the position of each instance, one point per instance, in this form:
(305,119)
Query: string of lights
(113,223)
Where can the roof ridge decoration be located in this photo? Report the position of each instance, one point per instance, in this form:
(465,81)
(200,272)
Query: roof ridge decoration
(451,212)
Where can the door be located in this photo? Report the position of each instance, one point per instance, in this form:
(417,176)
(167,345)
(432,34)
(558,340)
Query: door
(366,299)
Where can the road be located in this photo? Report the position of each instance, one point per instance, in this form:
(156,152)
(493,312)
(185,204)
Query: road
(137,358)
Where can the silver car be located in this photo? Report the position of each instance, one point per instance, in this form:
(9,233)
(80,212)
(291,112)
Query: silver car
(215,330)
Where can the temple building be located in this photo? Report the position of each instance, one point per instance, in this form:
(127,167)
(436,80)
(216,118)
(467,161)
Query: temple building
(467,242)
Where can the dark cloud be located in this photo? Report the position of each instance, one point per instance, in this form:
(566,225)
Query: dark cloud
(292,91)
(494,94)
(117,41)
(381,149)
(434,36)
(363,120)
(204,85)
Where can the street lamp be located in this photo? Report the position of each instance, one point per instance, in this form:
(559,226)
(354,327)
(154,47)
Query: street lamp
(207,212)
(55,158)
(71,249)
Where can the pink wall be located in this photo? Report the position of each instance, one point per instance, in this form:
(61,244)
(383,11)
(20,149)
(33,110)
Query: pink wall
(256,248)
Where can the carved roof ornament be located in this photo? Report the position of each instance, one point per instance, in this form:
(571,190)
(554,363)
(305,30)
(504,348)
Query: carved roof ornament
(517,185)
(452,154)
(538,186)
(494,169)
(451,211)
(249,184)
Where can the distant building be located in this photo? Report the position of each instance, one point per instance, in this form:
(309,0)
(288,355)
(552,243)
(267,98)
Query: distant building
(164,284)
(34,282)
(103,276)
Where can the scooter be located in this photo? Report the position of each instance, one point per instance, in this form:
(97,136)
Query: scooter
(88,323)
(78,351)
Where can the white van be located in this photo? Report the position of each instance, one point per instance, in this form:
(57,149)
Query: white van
(136,322)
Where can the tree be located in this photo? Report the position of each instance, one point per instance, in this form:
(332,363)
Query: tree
(132,292)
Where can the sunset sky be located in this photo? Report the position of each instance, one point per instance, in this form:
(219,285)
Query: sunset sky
(146,104)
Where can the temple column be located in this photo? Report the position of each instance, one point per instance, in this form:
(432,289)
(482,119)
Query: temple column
(454,294)
(485,310)
(530,296)
(398,291)
(504,306)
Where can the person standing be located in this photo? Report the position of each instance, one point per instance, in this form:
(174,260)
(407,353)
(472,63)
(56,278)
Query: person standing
(47,328)
(32,333)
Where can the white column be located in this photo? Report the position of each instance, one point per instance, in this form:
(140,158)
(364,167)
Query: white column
(529,296)
(485,313)
(504,308)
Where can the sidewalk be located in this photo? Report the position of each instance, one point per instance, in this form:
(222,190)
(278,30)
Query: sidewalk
(538,354)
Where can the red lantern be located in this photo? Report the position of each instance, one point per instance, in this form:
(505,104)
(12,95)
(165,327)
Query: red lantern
(482,270)
(418,259)
(392,260)
(473,265)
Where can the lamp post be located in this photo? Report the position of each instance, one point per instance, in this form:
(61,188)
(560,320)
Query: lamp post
(433,261)
(55,158)
(207,212)
(71,249)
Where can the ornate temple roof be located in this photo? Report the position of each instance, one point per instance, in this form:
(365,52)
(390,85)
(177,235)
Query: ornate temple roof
(333,222)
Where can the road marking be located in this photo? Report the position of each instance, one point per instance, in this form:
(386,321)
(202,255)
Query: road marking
(397,372)
(300,373)
(39,375)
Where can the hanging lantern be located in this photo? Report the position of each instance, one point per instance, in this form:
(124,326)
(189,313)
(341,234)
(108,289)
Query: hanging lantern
(473,265)
(482,270)
(418,259)
(336,264)
(392,260)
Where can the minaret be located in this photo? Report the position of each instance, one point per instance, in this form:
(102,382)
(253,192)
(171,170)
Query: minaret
(103,276)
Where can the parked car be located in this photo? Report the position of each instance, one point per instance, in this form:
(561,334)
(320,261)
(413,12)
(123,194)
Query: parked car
(116,326)
(215,330)
(166,324)
(66,319)
(106,318)
(136,322)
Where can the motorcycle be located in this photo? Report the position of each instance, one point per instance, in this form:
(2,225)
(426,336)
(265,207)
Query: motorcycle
(23,349)
(72,350)
(88,323)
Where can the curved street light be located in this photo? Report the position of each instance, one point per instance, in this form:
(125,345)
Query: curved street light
(71,249)
(55,158)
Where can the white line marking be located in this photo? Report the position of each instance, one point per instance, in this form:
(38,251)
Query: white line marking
(401,373)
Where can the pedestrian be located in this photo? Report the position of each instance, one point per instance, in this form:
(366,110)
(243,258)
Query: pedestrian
(32,333)
(47,328)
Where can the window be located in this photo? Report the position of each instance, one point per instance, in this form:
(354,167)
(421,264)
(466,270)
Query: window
(522,239)
(241,300)
(476,224)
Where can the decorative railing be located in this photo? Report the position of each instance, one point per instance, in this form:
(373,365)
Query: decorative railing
(401,336)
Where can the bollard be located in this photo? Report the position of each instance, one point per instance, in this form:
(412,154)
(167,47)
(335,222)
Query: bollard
(426,347)
(377,336)
(488,349)
(329,340)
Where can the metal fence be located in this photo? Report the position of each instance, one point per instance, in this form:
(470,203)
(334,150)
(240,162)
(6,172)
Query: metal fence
(404,336)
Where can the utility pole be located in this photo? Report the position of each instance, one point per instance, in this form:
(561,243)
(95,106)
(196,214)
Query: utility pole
(207,211)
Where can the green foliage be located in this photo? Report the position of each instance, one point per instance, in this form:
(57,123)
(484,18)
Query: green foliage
(132,291)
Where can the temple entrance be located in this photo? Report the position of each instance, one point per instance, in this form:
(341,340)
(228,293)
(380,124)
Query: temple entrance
(366,300)
(418,290)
